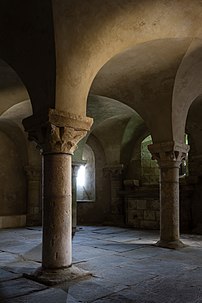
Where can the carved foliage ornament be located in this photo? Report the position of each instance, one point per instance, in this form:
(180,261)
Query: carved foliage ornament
(169,153)
(60,134)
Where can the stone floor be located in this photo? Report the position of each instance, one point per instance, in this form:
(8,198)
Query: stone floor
(125,266)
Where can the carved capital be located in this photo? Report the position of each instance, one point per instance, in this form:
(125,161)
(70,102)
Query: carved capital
(169,154)
(59,133)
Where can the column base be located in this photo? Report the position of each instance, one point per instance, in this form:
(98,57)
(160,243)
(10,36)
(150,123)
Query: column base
(57,276)
(177,244)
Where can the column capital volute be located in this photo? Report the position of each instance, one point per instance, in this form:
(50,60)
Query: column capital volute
(169,154)
(57,131)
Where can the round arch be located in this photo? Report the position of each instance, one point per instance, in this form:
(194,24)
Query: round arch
(187,88)
(100,31)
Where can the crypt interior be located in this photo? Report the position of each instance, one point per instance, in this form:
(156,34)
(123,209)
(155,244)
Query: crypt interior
(100,127)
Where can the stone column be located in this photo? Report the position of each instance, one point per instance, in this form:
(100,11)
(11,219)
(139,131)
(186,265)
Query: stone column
(115,173)
(169,156)
(57,138)
(75,168)
(34,209)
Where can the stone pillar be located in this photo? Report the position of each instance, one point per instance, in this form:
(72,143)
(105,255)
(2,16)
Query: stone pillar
(169,156)
(57,138)
(115,173)
(34,209)
(75,168)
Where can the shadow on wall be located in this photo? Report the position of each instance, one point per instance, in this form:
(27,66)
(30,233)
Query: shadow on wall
(12,184)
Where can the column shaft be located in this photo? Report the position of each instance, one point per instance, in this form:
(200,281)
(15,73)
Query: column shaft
(169,156)
(57,211)
(169,204)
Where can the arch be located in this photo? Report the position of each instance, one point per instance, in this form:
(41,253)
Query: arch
(188,86)
(18,112)
(143,77)
(110,134)
(134,129)
(12,89)
(102,108)
(99,32)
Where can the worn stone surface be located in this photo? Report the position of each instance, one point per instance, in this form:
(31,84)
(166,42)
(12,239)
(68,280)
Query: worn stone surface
(48,295)
(6,275)
(125,265)
(57,236)
(18,287)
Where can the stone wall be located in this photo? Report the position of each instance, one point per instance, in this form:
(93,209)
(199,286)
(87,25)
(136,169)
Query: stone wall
(13,188)
(142,213)
(142,208)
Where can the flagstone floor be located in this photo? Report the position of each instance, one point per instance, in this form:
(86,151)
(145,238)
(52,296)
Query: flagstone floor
(125,265)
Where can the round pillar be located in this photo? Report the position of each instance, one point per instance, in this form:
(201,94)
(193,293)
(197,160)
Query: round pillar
(169,204)
(57,211)
(56,134)
(169,156)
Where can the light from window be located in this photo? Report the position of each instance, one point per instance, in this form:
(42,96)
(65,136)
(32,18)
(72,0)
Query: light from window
(81,176)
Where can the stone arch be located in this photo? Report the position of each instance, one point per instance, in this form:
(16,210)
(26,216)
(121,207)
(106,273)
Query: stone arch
(188,87)
(99,32)
(134,129)
(102,108)
(12,89)
(143,77)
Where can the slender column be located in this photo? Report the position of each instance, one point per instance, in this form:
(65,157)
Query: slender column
(169,156)
(57,138)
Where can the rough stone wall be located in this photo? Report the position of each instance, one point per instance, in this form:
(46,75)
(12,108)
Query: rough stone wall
(142,208)
(142,213)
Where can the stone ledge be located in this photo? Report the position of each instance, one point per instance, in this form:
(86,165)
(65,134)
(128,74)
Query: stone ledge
(57,276)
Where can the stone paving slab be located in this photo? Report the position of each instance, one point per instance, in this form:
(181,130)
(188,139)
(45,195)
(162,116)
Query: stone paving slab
(17,247)
(167,290)
(143,274)
(18,287)
(34,254)
(88,291)
(22,266)
(6,275)
(45,296)
(6,258)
